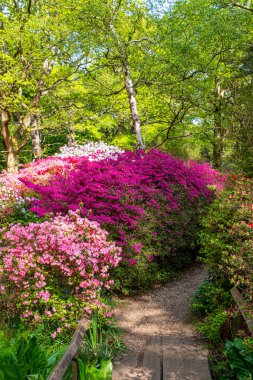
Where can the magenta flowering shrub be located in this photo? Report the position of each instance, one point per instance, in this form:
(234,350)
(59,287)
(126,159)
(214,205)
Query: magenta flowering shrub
(53,272)
(207,174)
(15,195)
(148,202)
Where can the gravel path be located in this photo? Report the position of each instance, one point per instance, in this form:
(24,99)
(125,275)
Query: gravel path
(161,341)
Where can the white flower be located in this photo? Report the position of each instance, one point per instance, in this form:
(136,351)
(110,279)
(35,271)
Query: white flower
(94,151)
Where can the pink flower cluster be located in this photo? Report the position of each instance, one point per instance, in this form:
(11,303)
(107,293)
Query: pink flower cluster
(55,270)
(212,177)
(147,200)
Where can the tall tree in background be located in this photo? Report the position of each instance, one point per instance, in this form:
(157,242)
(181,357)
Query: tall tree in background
(120,45)
(39,52)
(201,51)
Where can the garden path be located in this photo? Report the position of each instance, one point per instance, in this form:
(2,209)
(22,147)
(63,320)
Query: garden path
(162,343)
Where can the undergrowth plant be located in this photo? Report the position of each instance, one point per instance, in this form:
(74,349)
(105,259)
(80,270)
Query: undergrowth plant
(226,248)
(22,358)
(240,357)
(100,346)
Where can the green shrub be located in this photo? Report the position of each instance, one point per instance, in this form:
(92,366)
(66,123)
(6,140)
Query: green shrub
(101,371)
(212,325)
(102,341)
(219,366)
(211,294)
(227,234)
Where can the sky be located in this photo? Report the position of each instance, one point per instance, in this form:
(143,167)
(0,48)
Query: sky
(160,6)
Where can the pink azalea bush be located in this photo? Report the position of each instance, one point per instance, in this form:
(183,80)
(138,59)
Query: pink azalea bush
(53,272)
(9,197)
(149,203)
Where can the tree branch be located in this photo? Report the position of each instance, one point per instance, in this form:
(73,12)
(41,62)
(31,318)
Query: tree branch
(29,6)
(176,118)
(238,5)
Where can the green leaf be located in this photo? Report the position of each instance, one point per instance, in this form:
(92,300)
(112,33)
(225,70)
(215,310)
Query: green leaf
(106,369)
(238,360)
(81,369)
(14,372)
(103,372)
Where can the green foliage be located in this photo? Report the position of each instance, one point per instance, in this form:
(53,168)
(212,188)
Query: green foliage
(226,237)
(20,215)
(212,325)
(210,296)
(103,371)
(240,358)
(133,279)
(100,346)
(219,366)
(22,358)
(102,342)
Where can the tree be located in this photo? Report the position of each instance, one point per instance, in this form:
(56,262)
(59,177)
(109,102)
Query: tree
(39,52)
(201,49)
(120,44)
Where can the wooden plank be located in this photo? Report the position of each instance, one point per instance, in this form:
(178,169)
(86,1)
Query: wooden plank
(74,368)
(238,297)
(74,346)
(127,369)
(152,359)
(183,359)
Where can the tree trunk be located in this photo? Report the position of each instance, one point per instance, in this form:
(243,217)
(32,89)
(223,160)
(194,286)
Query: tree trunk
(12,154)
(35,134)
(219,129)
(33,117)
(129,87)
(133,107)
(71,137)
(218,141)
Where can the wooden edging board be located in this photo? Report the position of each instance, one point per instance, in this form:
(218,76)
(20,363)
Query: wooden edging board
(76,342)
(238,297)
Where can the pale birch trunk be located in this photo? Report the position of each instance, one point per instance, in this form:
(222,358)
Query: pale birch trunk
(33,117)
(12,154)
(133,107)
(129,87)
